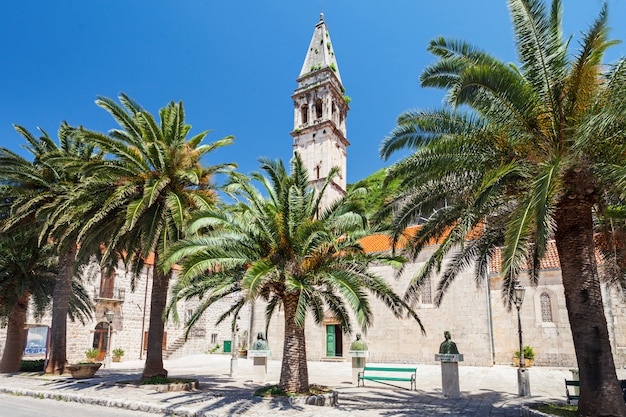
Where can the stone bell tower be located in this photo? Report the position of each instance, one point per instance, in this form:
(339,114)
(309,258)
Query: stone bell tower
(320,111)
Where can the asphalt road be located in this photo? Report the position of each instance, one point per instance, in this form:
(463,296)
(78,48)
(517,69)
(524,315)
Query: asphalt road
(22,406)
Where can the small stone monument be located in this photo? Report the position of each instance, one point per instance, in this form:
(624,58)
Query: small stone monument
(259,353)
(358,351)
(449,357)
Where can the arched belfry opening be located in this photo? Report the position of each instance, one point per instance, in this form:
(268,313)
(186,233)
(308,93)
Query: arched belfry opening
(304,114)
(318,109)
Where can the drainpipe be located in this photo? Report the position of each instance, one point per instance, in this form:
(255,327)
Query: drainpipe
(143,319)
(490,318)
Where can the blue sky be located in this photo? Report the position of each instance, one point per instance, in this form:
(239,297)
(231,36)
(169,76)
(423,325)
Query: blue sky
(234,64)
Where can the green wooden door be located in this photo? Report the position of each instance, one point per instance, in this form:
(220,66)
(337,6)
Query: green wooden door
(330,340)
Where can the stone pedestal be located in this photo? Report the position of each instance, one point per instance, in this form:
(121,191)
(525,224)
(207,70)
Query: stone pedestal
(259,365)
(358,363)
(450,374)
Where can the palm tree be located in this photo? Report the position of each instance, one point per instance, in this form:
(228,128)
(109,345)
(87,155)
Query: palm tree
(39,188)
(28,271)
(527,154)
(145,192)
(278,249)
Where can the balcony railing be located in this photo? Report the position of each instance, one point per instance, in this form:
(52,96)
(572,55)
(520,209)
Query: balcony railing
(109,294)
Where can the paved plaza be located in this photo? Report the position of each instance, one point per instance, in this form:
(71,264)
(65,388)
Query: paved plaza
(486,391)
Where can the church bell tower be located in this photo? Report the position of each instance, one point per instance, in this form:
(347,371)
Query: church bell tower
(320,111)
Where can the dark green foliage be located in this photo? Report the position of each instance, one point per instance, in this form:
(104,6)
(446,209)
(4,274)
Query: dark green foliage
(162,380)
(529,353)
(377,198)
(561,410)
(32,365)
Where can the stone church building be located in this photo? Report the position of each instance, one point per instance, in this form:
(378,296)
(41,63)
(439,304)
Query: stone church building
(483,329)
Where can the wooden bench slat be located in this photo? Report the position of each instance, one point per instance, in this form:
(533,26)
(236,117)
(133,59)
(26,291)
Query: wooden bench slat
(363,377)
(385,378)
(571,383)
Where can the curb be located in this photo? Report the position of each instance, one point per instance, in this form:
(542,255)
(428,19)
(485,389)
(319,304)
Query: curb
(126,405)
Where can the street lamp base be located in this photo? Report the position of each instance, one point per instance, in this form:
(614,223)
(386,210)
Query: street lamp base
(233,366)
(523,382)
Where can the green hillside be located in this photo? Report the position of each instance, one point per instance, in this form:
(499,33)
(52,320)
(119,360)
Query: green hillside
(376,197)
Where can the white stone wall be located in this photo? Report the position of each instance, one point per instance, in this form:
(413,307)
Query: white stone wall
(132,315)
(464,312)
(551,341)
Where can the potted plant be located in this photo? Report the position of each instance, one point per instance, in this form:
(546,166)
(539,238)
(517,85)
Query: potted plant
(243,350)
(529,356)
(117,354)
(87,369)
(92,354)
(84,369)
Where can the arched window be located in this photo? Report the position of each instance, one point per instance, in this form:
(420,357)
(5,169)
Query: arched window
(546,307)
(333,112)
(427,292)
(318,108)
(304,113)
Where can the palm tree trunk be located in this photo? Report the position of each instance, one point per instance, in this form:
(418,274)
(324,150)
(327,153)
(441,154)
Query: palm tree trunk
(600,392)
(294,373)
(14,346)
(60,306)
(156,327)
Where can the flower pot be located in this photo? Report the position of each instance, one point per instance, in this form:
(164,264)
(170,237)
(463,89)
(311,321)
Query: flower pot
(243,353)
(116,358)
(83,370)
(527,362)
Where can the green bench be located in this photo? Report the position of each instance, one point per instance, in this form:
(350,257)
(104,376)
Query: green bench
(576,384)
(373,373)
(573,396)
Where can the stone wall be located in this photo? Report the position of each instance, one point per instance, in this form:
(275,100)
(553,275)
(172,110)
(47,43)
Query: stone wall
(465,312)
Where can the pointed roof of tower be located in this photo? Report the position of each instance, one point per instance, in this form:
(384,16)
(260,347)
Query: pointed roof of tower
(320,54)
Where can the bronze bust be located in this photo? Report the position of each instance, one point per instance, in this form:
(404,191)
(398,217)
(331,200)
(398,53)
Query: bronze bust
(358,344)
(448,346)
(260,342)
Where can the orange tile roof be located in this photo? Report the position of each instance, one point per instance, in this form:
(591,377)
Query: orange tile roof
(550,260)
(381,242)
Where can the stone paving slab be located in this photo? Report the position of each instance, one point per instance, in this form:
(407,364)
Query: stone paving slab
(485,391)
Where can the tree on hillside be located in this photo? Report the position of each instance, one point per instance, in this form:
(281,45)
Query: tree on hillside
(273,246)
(377,197)
(529,153)
(146,189)
(38,188)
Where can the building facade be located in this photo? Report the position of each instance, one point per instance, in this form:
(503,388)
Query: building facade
(484,330)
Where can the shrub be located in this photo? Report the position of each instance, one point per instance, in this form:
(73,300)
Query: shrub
(529,353)
(32,365)
(92,353)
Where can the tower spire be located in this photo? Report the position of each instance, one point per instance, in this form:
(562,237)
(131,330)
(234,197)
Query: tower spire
(320,111)
(320,54)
